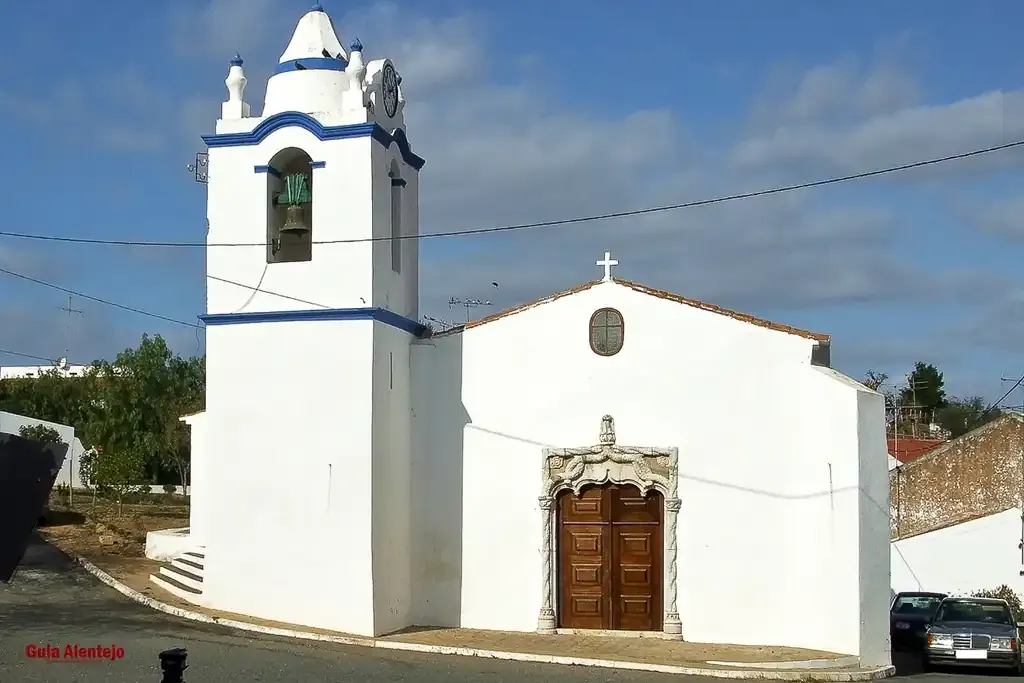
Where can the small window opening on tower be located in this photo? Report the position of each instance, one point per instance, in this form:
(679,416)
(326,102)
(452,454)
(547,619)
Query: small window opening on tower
(290,207)
(397,186)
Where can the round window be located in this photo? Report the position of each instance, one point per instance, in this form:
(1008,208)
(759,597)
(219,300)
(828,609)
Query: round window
(606,332)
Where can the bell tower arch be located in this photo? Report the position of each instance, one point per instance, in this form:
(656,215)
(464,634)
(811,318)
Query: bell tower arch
(290,207)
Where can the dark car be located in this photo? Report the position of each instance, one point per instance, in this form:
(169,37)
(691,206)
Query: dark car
(976,632)
(909,616)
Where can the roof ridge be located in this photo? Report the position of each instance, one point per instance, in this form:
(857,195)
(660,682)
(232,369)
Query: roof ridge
(650,291)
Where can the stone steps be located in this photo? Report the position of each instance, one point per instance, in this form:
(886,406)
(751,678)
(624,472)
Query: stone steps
(183,577)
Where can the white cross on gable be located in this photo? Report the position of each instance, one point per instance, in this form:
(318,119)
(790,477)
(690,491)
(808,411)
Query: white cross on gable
(608,262)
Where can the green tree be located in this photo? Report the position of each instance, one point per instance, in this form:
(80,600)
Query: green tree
(40,433)
(961,415)
(50,396)
(119,471)
(134,419)
(925,389)
(874,380)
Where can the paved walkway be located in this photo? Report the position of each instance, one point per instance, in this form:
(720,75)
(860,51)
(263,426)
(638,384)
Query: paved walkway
(134,573)
(52,601)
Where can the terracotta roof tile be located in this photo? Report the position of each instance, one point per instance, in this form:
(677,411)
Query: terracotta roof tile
(907,450)
(650,291)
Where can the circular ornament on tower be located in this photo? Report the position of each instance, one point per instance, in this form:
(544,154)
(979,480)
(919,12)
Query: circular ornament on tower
(389,86)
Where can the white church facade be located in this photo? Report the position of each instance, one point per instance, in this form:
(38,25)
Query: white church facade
(612,457)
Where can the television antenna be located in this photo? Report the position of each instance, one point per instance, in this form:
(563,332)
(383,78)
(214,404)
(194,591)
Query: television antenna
(468,304)
(71,312)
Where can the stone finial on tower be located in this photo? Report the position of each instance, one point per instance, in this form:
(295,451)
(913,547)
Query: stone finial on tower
(235,107)
(356,68)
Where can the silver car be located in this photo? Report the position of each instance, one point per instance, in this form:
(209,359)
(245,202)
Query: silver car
(973,632)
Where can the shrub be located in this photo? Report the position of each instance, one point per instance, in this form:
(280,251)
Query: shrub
(170,489)
(40,433)
(1006,593)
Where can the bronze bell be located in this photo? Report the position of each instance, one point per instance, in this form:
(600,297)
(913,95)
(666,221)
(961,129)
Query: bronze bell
(294,220)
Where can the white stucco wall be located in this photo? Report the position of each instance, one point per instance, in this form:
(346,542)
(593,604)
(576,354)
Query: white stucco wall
(391,472)
(763,526)
(11,423)
(980,554)
(351,201)
(200,493)
(288,417)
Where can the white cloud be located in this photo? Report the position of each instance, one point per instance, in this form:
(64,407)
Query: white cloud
(218,28)
(904,136)
(513,152)
(1003,218)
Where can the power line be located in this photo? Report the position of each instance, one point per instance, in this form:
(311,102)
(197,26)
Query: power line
(97,299)
(258,288)
(553,223)
(6,352)
(140,311)
(1006,395)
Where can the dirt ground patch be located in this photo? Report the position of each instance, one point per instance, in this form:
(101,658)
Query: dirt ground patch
(97,530)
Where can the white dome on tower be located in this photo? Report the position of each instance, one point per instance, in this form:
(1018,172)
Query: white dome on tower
(310,75)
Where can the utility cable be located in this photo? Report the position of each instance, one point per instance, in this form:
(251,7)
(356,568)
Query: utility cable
(258,288)
(139,311)
(1005,396)
(6,352)
(552,223)
(97,299)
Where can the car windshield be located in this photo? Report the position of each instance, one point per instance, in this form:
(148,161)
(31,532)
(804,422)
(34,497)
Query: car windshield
(913,605)
(981,612)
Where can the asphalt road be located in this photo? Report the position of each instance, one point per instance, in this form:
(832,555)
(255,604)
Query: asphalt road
(50,601)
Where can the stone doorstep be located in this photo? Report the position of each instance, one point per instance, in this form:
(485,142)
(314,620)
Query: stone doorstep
(730,661)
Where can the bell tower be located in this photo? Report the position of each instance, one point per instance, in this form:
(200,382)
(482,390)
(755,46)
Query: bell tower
(314,203)
(312,305)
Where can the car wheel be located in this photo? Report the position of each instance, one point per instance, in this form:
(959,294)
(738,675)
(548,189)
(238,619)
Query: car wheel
(926,666)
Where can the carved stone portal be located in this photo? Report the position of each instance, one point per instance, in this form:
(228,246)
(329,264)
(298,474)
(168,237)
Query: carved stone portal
(575,468)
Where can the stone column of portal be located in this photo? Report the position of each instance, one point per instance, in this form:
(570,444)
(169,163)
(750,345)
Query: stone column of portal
(546,621)
(673,627)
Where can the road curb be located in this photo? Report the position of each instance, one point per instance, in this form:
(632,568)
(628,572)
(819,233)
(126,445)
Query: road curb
(762,674)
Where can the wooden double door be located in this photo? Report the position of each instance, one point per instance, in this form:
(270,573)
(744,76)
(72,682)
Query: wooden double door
(610,559)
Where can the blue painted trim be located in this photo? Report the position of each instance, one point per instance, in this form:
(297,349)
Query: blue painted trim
(312,64)
(289,119)
(381,315)
(267,169)
(317,164)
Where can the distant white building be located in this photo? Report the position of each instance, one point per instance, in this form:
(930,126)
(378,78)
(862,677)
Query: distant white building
(30,371)
(571,463)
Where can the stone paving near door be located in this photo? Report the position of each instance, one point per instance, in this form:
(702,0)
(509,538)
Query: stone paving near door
(134,573)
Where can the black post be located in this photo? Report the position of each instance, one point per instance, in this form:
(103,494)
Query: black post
(172,664)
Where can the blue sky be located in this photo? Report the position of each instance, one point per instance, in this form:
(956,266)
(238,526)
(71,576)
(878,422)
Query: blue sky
(538,110)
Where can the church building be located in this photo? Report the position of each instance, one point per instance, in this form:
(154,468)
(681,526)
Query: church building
(612,457)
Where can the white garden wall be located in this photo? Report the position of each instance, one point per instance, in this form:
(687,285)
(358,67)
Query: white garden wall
(980,554)
(11,423)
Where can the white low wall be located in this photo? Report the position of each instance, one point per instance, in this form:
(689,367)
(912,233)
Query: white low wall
(163,545)
(980,554)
